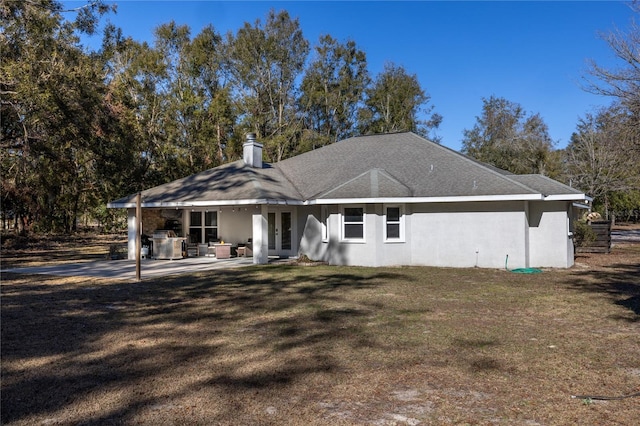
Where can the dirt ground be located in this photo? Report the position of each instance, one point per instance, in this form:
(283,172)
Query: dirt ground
(286,344)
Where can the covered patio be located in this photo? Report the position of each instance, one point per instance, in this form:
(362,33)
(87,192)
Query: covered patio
(216,231)
(235,204)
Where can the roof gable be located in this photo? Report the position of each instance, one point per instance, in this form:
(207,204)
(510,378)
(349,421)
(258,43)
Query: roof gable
(426,168)
(374,183)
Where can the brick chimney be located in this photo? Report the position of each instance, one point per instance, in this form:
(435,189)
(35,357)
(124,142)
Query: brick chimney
(252,152)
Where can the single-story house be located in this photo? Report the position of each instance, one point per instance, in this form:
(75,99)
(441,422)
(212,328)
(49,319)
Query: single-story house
(378,200)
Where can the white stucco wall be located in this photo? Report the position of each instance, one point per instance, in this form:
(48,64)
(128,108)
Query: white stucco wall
(235,224)
(391,253)
(310,226)
(532,234)
(435,234)
(469,234)
(260,235)
(362,253)
(549,241)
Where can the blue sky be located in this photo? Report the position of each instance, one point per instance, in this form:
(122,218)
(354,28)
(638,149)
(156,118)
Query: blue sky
(532,53)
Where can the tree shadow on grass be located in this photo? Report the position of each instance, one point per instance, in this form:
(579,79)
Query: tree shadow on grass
(619,282)
(64,340)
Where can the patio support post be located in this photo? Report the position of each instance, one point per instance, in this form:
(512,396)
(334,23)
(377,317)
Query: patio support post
(138,233)
(260,236)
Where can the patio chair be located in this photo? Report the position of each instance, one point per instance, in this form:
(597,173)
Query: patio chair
(245,250)
(192,250)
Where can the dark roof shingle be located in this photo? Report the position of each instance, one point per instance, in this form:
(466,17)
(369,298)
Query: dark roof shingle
(377,166)
(426,168)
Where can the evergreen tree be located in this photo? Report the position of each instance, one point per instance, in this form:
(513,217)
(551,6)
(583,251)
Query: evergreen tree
(507,137)
(265,61)
(393,104)
(332,89)
(51,102)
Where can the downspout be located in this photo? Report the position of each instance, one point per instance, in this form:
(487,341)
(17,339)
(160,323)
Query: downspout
(527,250)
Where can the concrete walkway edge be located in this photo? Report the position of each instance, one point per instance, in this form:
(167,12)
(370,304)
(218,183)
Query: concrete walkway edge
(126,269)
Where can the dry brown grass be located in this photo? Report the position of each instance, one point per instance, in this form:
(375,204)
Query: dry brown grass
(326,345)
(27,251)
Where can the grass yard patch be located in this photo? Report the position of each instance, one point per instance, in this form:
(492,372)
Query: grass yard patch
(284,344)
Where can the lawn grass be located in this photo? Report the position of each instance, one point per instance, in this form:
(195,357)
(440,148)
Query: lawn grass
(322,345)
(20,251)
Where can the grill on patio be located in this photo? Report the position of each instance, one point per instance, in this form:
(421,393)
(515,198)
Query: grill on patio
(166,245)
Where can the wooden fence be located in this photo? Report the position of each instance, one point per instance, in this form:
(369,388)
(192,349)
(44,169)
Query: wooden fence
(602,243)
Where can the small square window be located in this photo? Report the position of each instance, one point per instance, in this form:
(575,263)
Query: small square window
(353,214)
(393,214)
(352,230)
(393,231)
(211,219)
(196,218)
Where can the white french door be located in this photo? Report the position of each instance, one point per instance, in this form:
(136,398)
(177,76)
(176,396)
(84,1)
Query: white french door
(280,231)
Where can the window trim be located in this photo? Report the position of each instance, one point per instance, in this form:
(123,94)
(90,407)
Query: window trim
(400,222)
(324,223)
(343,223)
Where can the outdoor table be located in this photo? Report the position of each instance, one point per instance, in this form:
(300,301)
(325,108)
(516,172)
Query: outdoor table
(223,251)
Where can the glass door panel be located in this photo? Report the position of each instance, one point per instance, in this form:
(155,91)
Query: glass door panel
(280,233)
(285,219)
(272,230)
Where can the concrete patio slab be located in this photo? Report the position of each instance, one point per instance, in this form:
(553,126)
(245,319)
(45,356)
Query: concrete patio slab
(126,269)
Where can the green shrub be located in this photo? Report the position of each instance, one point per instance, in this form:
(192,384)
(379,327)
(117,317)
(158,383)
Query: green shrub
(583,234)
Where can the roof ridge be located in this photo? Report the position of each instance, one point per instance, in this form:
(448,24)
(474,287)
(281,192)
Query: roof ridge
(399,132)
(276,166)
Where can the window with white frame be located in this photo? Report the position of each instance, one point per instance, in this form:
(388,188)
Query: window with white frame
(353,223)
(324,218)
(203,226)
(393,223)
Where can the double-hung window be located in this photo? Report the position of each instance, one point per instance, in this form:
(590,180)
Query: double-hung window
(353,223)
(393,224)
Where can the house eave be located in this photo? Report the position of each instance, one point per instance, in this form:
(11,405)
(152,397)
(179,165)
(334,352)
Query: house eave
(568,197)
(581,206)
(213,203)
(381,200)
(419,200)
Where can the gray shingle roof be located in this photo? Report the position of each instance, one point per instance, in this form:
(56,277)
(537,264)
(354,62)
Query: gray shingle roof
(426,168)
(545,185)
(377,166)
(229,182)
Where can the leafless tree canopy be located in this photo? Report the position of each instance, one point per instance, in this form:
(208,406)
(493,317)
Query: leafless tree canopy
(622,82)
(601,158)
